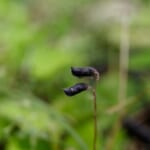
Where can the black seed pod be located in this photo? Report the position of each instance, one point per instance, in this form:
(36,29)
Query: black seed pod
(137,130)
(77,88)
(85,72)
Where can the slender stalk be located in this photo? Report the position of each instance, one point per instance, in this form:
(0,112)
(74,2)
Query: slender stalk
(124,60)
(123,78)
(95,119)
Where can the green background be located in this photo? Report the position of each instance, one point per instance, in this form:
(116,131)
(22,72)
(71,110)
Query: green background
(39,41)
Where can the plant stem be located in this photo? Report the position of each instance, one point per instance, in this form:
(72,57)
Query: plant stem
(95,119)
(123,78)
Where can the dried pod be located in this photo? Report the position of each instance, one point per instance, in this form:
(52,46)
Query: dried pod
(135,129)
(77,88)
(85,72)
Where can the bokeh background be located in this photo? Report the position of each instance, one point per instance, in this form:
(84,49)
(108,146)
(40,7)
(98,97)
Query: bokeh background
(40,40)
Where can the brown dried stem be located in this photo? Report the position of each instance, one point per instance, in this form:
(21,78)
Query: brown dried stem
(95,119)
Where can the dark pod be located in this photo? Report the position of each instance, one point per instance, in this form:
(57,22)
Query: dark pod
(77,88)
(137,130)
(85,72)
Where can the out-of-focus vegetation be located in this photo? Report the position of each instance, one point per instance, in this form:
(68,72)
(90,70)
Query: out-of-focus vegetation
(39,41)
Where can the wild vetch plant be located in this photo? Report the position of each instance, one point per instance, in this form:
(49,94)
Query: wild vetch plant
(92,74)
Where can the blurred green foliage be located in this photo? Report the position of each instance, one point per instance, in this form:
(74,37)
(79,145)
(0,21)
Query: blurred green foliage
(39,42)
